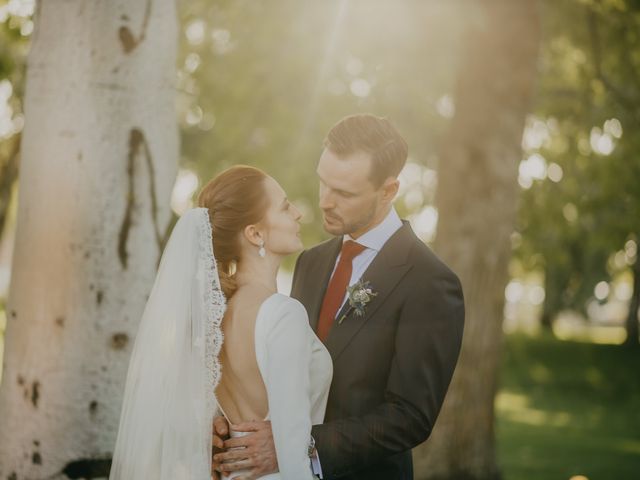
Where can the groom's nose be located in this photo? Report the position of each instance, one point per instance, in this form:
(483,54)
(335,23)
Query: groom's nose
(326,201)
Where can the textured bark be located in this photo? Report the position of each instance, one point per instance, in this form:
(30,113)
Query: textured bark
(476,199)
(100,73)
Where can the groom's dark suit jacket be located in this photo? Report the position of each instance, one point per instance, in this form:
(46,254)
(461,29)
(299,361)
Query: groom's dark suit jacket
(392,366)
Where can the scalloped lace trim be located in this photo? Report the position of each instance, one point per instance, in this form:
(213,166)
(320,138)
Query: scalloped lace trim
(215,304)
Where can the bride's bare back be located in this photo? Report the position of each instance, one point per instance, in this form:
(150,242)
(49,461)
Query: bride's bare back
(241,391)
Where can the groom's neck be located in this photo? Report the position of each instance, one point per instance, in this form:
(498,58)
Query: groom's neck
(377,220)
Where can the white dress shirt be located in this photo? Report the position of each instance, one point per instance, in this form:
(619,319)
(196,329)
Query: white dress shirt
(373,240)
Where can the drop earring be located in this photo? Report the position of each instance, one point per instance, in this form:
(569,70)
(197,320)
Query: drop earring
(262,252)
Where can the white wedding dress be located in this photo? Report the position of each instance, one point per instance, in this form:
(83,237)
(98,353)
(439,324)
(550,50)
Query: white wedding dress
(296,369)
(165,430)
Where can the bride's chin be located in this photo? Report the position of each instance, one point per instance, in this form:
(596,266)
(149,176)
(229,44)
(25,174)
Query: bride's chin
(299,246)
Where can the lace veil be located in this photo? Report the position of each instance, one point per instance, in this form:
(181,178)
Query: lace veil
(169,403)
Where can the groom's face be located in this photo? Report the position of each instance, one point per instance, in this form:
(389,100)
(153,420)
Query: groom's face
(349,200)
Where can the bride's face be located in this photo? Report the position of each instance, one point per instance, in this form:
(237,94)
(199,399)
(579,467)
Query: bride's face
(281,222)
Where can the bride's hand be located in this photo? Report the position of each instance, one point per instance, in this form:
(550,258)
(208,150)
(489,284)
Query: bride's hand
(220,432)
(257,451)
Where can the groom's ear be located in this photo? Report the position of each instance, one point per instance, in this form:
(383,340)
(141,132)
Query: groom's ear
(390,189)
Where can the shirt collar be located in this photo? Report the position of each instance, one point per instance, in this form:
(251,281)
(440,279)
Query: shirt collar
(378,235)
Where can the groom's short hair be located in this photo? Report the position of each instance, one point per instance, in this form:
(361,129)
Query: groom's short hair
(375,136)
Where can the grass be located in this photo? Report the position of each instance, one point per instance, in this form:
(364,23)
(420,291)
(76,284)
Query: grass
(568,409)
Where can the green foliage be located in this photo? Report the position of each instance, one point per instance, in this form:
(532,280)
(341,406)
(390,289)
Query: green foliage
(262,82)
(588,101)
(15,28)
(15,31)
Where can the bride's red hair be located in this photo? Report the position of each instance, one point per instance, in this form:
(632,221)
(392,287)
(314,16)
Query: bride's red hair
(235,198)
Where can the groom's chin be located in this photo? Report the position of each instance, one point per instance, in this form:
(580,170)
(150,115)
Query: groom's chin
(333,229)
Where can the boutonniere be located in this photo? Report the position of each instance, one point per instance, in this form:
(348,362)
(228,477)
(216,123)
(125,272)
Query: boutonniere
(359,295)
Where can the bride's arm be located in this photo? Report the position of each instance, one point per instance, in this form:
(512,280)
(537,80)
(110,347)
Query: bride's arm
(285,368)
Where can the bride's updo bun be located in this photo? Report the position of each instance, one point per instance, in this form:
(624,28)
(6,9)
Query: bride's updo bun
(235,198)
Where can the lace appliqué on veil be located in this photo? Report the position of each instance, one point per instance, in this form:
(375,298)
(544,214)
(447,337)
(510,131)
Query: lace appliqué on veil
(215,305)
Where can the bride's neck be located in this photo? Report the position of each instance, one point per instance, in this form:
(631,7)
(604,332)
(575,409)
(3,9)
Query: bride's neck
(258,272)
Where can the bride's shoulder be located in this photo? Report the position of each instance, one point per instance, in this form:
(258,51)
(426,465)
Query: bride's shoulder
(287,306)
(283,331)
(286,312)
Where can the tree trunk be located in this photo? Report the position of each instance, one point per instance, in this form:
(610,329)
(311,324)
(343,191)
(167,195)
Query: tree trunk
(632,318)
(98,161)
(476,198)
(551,302)
(556,281)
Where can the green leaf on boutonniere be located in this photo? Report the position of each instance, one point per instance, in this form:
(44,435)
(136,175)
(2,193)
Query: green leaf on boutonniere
(359,295)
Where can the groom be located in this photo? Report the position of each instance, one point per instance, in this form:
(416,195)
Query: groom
(394,350)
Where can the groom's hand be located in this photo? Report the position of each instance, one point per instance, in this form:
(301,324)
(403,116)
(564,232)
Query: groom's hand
(254,452)
(220,432)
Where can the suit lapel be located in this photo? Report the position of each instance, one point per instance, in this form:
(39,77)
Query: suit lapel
(384,273)
(326,261)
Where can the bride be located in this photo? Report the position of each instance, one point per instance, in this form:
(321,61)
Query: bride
(217,279)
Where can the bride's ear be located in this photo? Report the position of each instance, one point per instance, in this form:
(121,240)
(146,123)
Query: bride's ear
(253,235)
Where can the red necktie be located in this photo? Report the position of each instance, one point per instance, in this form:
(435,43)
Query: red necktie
(337,287)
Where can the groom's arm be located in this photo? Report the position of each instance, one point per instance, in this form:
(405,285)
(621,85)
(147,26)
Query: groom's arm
(427,343)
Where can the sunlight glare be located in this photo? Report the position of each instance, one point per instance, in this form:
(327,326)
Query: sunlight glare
(536,295)
(186,184)
(601,291)
(321,80)
(514,291)
(536,134)
(414,198)
(445,106)
(630,250)
(26,28)
(530,169)
(192,62)
(354,66)
(601,143)
(554,172)
(221,40)
(194,115)
(18,8)
(425,223)
(623,291)
(195,32)
(613,127)
(6,112)
(360,87)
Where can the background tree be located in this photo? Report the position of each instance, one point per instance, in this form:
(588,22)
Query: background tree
(99,158)
(476,199)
